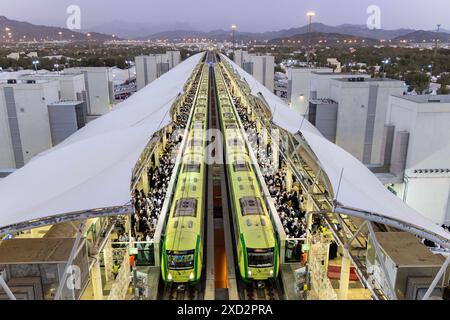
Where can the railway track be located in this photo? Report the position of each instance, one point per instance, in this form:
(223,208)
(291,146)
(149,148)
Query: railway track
(262,290)
(183,292)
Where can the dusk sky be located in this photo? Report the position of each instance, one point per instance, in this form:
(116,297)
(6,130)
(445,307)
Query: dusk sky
(249,15)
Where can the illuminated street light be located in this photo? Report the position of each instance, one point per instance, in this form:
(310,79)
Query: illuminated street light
(310,15)
(233,32)
(35,63)
(129,63)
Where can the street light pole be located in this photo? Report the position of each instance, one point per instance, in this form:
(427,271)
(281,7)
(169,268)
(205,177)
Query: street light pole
(310,15)
(35,63)
(128,63)
(437,40)
(233,31)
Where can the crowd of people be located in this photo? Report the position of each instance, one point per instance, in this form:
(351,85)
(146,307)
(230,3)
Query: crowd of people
(288,204)
(147,207)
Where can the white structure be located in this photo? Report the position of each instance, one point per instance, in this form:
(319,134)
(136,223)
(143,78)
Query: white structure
(320,82)
(262,67)
(100,89)
(174,58)
(299,87)
(72,85)
(66,118)
(24,120)
(361,116)
(240,57)
(13,55)
(150,68)
(32,54)
(421,153)
(335,64)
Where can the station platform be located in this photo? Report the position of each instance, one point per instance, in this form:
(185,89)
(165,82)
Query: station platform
(288,281)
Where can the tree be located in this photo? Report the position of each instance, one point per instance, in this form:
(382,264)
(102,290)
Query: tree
(444,80)
(418,81)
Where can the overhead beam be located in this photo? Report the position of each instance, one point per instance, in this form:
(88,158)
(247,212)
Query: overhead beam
(68,217)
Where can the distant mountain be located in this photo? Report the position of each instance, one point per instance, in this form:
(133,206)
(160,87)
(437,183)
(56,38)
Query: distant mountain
(424,36)
(28,31)
(329,39)
(219,35)
(133,30)
(346,29)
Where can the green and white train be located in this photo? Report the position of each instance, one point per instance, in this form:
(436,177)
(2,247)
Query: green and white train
(182,247)
(256,242)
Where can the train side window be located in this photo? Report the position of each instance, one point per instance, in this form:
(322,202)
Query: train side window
(191,167)
(240,166)
(230,126)
(186,207)
(198,125)
(250,206)
(235,142)
(195,143)
(199,116)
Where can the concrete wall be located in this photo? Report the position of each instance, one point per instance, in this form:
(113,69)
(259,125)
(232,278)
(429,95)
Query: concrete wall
(299,87)
(98,81)
(321,82)
(150,68)
(240,57)
(264,70)
(63,120)
(174,58)
(428,149)
(70,86)
(362,113)
(32,119)
(7,160)
(430,196)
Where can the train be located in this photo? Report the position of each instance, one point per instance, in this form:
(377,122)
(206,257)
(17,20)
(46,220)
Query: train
(182,246)
(256,243)
(257,246)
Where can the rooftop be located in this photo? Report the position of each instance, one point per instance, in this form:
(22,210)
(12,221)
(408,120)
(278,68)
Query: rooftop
(13,81)
(399,245)
(66,103)
(368,79)
(43,250)
(323,101)
(426,98)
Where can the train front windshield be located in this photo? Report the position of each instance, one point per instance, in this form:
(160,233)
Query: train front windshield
(260,258)
(180,260)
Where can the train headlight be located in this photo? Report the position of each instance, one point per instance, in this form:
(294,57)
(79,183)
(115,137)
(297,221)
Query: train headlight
(271,272)
(191,276)
(169,277)
(249,273)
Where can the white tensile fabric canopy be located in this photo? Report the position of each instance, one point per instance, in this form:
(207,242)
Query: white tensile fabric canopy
(359,189)
(92,169)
